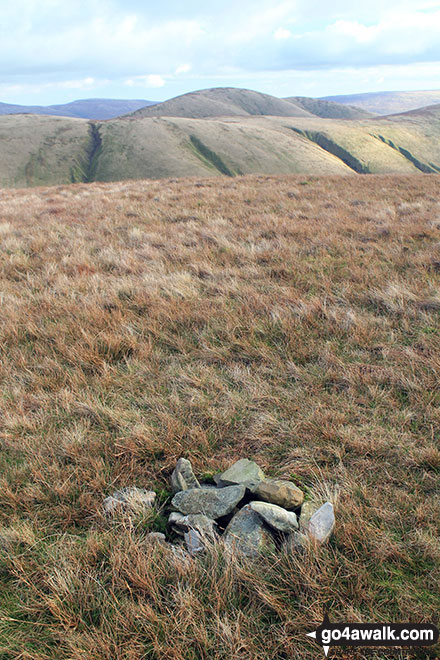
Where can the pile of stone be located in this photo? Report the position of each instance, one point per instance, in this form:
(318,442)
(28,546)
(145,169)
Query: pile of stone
(250,512)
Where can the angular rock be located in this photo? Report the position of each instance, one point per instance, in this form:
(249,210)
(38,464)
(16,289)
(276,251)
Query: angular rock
(244,472)
(193,542)
(275,516)
(213,502)
(130,499)
(183,477)
(322,523)
(281,492)
(247,534)
(198,521)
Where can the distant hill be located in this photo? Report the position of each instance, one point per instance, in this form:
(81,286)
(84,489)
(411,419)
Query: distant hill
(82,109)
(223,102)
(430,111)
(387,103)
(329,109)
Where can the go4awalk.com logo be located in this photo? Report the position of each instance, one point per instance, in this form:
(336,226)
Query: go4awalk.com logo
(374,634)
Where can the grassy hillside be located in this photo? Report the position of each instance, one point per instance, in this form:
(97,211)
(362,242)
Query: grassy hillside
(222,102)
(42,150)
(37,150)
(83,109)
(329,109)
(154,148)
(387,103)
(293,320)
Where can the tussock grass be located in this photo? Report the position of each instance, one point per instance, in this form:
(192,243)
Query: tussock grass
(292,320)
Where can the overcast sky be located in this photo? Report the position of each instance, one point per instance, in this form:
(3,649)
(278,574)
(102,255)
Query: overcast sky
(53,51)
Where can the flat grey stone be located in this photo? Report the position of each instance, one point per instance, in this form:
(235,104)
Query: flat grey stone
(130,499)
(247,534)
(183,477)
(322,523)
(193,542)
(213,502)
(198,521)
(276,516)
(281,492)
(244,472)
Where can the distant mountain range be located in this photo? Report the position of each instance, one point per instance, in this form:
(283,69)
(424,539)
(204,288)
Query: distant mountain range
(232,102)
(214,132)
(387,103)
(83,109)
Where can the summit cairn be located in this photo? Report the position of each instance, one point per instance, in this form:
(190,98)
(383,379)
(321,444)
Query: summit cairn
(247,511)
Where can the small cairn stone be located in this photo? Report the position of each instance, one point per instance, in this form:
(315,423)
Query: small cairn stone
(183,477)
(296,543)
(130,500)
(308,508)
(213,502)
(280,492)
(244,472)
(247,534)
(193,542)
(275,516)
(322,523)
(155,537)
(198,521)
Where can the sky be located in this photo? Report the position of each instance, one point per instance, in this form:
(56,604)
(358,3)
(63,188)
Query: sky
(55,51)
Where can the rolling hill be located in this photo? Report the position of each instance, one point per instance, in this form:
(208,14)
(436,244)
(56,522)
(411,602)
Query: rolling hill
(223,102)
(39,150)
(387,103)
(329,109)
(82,109)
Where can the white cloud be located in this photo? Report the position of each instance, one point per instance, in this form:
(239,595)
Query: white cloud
(282,33)
(183,68)
(151,80)
(77,84)
(155,81)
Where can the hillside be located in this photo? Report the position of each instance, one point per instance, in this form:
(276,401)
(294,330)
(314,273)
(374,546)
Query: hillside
(83,109)
(292,320)
(222,102)
(329,109)
(387,103)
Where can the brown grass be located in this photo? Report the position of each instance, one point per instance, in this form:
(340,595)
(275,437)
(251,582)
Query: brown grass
(291,320)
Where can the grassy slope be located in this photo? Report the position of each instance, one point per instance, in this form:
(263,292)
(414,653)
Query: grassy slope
(329,109)
(293,320)
(222,102)
(385,103)
(41,150)
(153,148)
